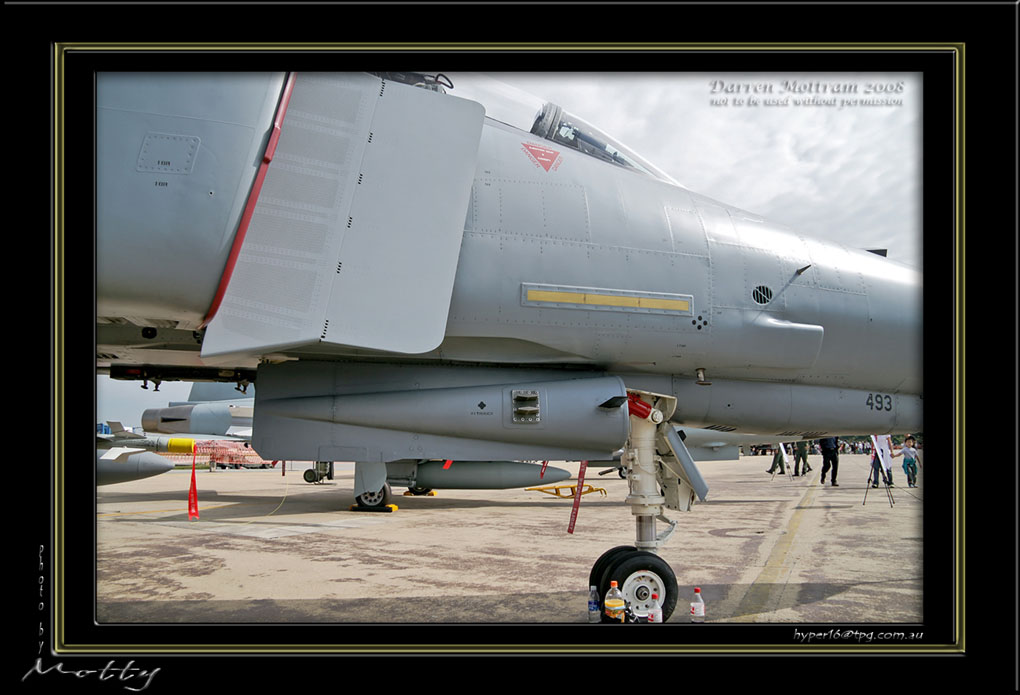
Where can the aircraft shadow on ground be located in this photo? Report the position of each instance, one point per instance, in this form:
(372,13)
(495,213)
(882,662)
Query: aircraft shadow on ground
(534,607)
(225,507)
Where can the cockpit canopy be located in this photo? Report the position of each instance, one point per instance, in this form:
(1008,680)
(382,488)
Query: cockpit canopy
(524,111)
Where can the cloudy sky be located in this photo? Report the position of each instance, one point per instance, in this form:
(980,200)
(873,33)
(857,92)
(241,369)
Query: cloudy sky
(828,166)
(842,164)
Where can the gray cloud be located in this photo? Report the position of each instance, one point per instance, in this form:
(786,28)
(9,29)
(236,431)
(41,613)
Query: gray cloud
(849,174)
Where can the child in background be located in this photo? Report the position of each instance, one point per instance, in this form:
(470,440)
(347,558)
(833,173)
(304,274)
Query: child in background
(911,460)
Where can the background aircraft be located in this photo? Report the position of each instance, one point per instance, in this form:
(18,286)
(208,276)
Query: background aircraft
(412,276)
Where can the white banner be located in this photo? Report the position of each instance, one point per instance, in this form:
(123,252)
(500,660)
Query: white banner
(882,444)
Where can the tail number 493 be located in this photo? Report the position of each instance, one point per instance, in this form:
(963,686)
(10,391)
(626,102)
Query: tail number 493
(878,401)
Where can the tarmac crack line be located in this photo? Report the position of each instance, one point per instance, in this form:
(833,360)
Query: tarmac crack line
(771,582)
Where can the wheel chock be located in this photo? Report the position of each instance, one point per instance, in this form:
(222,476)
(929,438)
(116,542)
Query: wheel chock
(388,508)
(560,490)
(430,493)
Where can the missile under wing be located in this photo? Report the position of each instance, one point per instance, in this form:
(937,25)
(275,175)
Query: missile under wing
(123,456)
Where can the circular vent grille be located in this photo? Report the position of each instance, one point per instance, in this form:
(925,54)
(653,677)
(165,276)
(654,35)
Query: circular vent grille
(762,294)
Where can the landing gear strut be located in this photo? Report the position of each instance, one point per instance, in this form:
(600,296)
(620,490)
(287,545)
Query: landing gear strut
(661,474)
(322,470)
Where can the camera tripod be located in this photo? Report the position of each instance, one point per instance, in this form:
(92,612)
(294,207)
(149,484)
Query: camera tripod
(886,478)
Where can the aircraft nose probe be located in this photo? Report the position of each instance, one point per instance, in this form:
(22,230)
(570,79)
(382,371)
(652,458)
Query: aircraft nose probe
(655,480)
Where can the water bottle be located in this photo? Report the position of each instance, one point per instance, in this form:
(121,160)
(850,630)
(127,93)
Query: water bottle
(655,612)
(616,606)
(594,610)
(697,607)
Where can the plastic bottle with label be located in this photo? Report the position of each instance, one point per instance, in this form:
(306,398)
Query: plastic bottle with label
(594,609)
(697,607)
(616,606)
(655,612)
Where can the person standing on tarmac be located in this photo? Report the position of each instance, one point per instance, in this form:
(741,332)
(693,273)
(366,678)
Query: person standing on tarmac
(830,458)
(777,460)
(800,454)
(910,459)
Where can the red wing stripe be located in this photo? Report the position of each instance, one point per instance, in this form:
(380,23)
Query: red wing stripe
(249,208)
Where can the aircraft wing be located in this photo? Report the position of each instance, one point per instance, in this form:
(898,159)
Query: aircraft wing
(318,266)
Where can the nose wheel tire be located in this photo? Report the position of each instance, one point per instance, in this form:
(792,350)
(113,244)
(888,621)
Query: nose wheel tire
(375,499)
(639,574)
(600,566)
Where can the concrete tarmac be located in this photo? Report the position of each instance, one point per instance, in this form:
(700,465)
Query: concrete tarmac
(270,548)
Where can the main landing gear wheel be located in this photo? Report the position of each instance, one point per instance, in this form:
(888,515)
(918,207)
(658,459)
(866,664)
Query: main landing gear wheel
(417,491)
(638,575)
(375,499)
(311,476)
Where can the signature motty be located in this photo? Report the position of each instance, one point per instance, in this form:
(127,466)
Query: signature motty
(127,673)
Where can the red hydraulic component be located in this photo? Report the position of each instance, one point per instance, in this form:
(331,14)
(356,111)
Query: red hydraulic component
(638,408)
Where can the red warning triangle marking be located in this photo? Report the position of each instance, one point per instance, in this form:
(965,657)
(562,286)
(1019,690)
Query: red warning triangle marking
(543,155)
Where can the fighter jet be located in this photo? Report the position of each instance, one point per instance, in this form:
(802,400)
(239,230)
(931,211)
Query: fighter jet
(413,276)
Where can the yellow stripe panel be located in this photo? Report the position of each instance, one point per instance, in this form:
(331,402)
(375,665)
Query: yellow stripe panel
(547,296)
(674,304)
(608,300)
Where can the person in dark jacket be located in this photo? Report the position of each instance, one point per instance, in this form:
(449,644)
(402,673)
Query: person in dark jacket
(830,458)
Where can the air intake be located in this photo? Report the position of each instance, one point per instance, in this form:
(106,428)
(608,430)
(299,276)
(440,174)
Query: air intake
(762,294)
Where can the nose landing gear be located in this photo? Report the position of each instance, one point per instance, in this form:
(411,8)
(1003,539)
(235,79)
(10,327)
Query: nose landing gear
(660,472)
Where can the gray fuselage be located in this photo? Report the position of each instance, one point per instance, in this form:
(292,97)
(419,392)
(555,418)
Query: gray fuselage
(567,262)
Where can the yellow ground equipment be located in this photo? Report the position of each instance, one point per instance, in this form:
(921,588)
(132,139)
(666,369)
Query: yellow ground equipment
(560,490)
